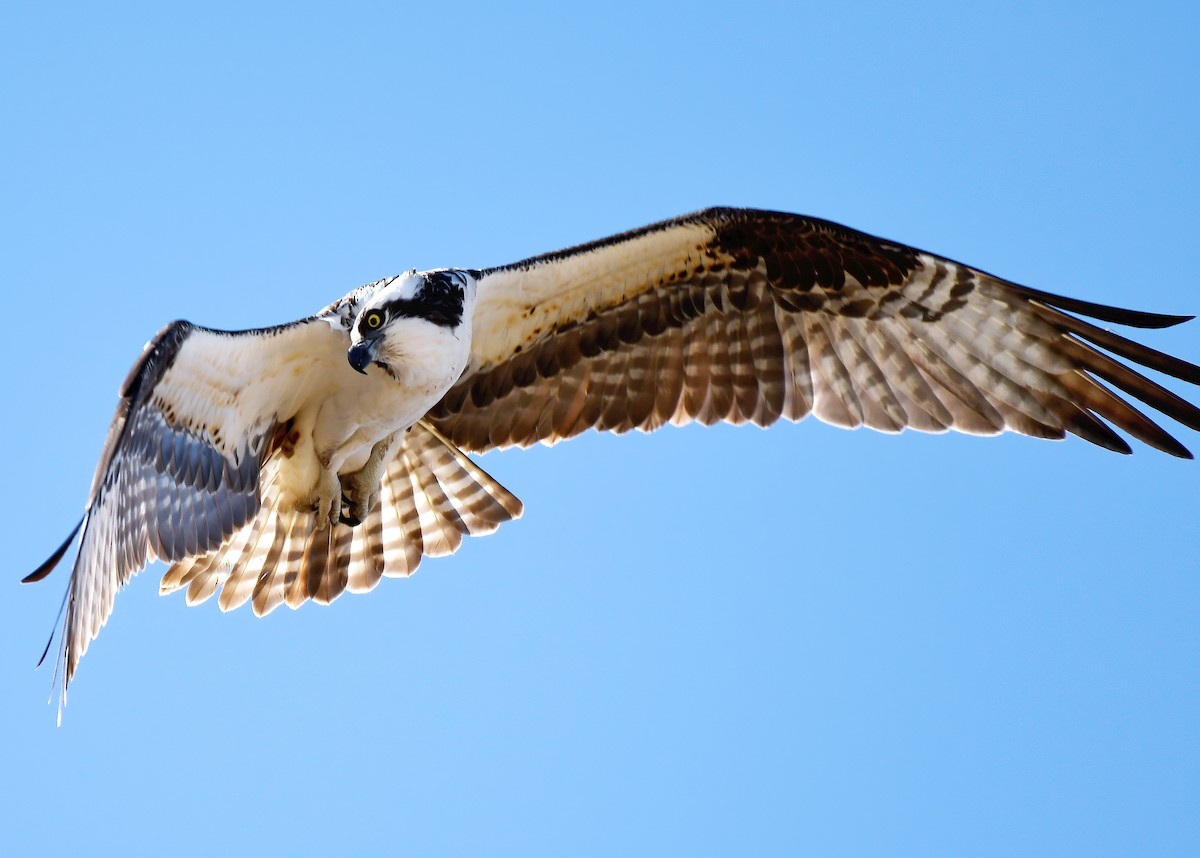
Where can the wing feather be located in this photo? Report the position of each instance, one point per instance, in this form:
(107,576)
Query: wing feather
(668,381)
(697,372)
(799,394)
(768,363)
(743,378)
(836,400)
(971,410)
(736,315)
(922,408)
(880,408)
(179,471)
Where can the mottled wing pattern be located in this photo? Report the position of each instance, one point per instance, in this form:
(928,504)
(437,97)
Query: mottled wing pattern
(748,316)
(431,496)
(180,468)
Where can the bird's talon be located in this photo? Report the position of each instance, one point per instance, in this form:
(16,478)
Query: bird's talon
(360,490)
(325,501)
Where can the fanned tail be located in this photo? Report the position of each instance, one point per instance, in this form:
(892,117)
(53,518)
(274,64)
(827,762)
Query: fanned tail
(431,496)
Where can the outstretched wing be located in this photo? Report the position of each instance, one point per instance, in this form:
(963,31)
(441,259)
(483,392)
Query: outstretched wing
(179,474)
(739,315)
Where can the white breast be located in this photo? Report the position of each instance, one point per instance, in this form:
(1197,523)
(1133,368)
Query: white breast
(361,410)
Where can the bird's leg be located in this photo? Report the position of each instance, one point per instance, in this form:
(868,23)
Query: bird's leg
(361,489)
(325,499)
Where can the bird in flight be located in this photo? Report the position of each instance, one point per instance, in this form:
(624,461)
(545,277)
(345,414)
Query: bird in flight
(283,464)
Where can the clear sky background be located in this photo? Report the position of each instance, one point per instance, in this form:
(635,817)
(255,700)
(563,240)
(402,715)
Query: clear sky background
(723,641)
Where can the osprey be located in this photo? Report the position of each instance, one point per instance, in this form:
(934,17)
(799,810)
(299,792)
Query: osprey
(297,462)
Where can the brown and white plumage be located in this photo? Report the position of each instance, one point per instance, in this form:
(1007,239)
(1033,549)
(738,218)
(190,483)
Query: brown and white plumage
(734,315)
(723,315)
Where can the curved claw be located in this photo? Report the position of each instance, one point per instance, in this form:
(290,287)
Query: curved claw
(348,518)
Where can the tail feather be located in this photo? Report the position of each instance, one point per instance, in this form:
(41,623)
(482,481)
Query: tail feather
(441,526)
(337,566)
(239,586)
(431,496)
(282,563)
(402,543)
(294,581)
(367,561)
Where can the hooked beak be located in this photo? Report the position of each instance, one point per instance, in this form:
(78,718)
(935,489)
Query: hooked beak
(362,355)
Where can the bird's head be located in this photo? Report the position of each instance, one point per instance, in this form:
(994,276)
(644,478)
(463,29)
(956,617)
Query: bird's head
(406,312)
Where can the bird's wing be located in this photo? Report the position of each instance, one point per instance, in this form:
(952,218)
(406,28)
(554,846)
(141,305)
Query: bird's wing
(739,315)
(179,474)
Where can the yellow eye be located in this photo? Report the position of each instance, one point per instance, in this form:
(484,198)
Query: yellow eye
(374,320)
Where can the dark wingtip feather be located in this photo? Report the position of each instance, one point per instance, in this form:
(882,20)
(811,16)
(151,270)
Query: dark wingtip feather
(54,628)
(1089,427)
(1177,320)
(53,560)
(1104,312)
(1147,320)
(1130,350)
(1169,445)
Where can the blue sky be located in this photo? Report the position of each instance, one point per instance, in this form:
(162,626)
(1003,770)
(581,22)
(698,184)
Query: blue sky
(725,641)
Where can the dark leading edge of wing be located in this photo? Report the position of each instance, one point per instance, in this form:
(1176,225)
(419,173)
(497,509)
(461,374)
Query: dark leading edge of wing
(745,315)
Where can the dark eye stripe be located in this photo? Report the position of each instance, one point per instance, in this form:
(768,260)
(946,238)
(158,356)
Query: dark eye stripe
(439,300)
